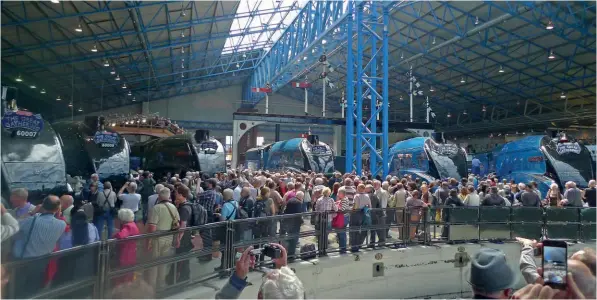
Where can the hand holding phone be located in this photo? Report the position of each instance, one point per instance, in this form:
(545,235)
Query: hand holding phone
(555,263)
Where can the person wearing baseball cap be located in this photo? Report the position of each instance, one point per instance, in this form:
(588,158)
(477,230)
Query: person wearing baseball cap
(491,277)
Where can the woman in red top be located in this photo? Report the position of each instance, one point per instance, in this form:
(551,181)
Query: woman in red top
(127,250)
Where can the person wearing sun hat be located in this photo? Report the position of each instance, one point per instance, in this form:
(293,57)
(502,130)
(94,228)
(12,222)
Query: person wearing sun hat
(491,277)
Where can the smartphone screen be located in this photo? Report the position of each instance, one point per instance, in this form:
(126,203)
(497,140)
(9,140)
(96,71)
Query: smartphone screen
(555,263)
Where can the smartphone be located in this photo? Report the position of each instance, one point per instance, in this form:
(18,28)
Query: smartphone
(555,263)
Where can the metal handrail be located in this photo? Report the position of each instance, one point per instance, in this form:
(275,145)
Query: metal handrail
(320,231)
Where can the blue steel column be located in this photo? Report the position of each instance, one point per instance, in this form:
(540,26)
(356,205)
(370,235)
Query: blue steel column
(349,92)
(373,106)
(385,94)
(359,92)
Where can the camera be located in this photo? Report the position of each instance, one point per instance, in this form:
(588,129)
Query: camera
(268,250)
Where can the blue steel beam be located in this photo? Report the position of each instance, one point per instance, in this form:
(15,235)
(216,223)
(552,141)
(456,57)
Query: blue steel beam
(315,21)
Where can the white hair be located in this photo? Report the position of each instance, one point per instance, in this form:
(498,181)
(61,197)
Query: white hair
(282,284)
(522,186)
(553,186)
(300,195)
(592,183)
(158,187)
(318,181)
(132,187)
(126,215)
(164,194)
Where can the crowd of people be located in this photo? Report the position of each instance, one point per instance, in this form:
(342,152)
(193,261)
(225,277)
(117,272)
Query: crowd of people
(173,202)
(152,121)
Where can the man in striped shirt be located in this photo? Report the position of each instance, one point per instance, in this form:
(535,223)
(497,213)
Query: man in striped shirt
(350,191)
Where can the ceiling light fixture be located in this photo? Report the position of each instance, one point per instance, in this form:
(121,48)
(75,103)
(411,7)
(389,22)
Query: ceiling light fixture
(401,55)
(462,80)
(433,42)
(484,108)
(19,79)
(182,75)
(129,94)
(464,112)
(80,109)
(549,25)
(134,99)
(182,50)
(79,28)
(32,86)
(113,71)
(237,65)
(143,120)
(182,13)
(124,85)
(113,124)
(55,1)
(106,63)
(551,55)
(449,115)
(117,77)
(94,49)
(401,98)
(476,20)
(43,91)
(58,98)
(182,66)
(244,55)
(182,34)
(563,95)
(70,104)
(501,69)
(323,42)
(431,89)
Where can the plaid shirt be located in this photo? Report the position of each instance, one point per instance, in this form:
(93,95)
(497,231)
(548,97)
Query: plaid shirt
(325,204)
(208,200)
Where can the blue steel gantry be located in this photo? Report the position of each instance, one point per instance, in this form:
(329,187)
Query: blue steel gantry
(368,82)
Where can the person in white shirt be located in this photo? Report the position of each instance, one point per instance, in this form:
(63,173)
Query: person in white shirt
(130,200)
(472,198)
(238,189)
(153,199)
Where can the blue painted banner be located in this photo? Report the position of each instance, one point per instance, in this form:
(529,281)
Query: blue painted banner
(106,139)
(22,124)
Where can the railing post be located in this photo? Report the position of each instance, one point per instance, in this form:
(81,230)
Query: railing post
(425,231)
(230,250)
(104,260)
(323,233)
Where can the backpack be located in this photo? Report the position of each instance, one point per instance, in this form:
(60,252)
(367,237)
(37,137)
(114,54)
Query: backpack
(241,212)
(199,214)
(259,210)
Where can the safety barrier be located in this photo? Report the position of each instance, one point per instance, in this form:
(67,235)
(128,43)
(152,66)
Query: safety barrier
(208,251)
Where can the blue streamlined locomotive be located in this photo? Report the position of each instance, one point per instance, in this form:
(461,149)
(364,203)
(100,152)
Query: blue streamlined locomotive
(421,157)
(545,160)
(299,154)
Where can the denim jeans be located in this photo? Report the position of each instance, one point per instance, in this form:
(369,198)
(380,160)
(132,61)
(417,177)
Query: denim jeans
(99,223)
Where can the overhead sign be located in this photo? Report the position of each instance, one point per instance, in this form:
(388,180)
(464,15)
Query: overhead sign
(105,139)
(319,149)
(565,148)
(22,124)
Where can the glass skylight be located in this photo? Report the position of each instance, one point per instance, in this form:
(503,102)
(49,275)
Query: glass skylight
(270,17)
